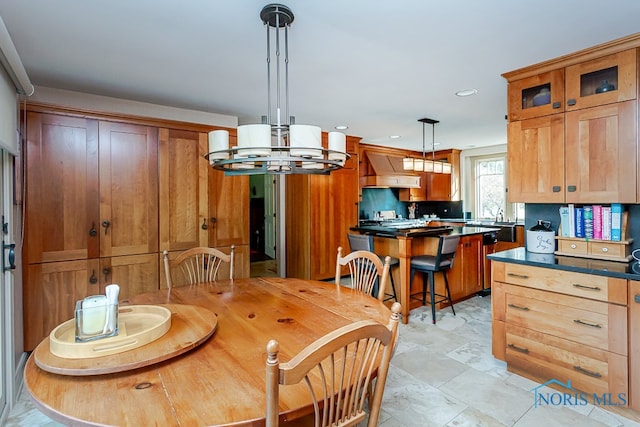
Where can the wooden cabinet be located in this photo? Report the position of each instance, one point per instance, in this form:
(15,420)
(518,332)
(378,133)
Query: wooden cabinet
(105,197)
(320,210)
(580,146)
(420,194)
(549,323)
(438,187)
(634,344)
(465,278)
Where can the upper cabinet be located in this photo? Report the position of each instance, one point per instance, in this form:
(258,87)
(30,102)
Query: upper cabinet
(572,132)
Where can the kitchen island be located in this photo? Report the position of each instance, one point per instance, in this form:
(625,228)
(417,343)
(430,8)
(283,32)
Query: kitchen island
(403,241)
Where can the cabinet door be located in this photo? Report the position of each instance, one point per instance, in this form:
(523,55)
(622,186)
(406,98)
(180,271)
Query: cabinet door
(62,188)
(535,154)
(415,194)
(536,96)
(229,209)
(604,80)
(471,260)
(634,344)
(184,218)
(128,189)
(601,156)
(438,186)
(50,295)
(135,274)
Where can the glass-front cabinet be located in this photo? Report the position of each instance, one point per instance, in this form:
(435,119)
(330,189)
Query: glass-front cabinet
(536,96)
(601,81)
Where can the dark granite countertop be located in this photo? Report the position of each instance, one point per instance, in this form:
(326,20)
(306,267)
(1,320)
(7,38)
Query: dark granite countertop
(624,270)
(391,232)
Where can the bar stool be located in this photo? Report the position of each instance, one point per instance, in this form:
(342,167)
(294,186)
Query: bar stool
(364,242)
(429,265)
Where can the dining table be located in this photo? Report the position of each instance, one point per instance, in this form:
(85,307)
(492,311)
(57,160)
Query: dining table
(221,380)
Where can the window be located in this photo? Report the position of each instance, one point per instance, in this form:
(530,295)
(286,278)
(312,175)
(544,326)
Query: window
(490,190)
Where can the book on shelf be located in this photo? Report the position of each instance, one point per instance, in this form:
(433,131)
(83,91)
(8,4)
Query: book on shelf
(616,221)
(579,222)
(572,220)
(587,219)
(606,223)
(597,222)
(565,228)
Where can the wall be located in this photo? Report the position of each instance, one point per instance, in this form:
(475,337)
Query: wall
(550,212)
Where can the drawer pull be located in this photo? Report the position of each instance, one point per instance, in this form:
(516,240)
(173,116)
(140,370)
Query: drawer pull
(573,246)
(520,276)
(605,249)
(591,288)
(582,322)
(587,372)
(516,348)
(519,307)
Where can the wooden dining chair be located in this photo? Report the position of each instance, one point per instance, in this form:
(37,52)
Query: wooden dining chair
(366,270)
(196,265)
(338,370)
(364,242)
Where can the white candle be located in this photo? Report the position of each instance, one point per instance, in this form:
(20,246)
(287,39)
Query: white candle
(337,142)
(218,140)
(94,314)
(255,140)
(305,136)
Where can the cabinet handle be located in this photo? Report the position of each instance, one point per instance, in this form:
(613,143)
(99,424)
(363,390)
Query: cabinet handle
(520,349)
(213,220)
(591,288)
(519,276)
(571,101)
(93,279)
(92,231)
(587,371)
(605,249)
(573,246)
(106,225)
(106,272)
(11,256)
(582,322)
(556,188)
(204,225)
(571,188)
(636,298)
(519,307)
(555,105)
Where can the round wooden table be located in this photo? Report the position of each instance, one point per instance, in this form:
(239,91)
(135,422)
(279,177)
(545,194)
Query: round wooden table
(222,381)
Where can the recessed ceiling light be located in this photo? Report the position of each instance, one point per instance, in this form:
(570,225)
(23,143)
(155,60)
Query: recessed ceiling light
(394,136)
(467,92)
(341,127)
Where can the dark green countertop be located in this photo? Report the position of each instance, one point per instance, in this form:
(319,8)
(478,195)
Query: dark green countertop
(624,270)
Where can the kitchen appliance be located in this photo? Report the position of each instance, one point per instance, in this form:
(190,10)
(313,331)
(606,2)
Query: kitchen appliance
(489,241)
(541,238)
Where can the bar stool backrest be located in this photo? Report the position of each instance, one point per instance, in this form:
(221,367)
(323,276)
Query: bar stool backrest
(447,247)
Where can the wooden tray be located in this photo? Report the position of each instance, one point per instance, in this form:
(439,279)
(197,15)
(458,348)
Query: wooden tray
(189,327)
(138,324)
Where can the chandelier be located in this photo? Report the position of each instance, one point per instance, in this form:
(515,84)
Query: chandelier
(277,145)
(424,164)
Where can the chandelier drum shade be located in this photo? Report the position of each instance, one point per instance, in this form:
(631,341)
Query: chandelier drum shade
(427,165)
(278,145)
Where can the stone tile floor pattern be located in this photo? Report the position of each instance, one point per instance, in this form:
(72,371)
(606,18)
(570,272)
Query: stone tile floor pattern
(444,375)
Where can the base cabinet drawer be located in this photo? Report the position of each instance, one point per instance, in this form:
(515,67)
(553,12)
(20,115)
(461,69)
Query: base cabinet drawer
(589,370)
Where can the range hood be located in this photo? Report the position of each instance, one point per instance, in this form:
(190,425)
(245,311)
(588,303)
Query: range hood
(388,172)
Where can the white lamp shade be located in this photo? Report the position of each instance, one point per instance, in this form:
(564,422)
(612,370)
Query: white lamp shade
(446,168)
(254,140)
(407,163)
(218,141)
(437,167)
(418,165)
(337,142)
(305,141)
(428,166)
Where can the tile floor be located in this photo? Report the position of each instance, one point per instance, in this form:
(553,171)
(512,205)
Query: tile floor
(444,375)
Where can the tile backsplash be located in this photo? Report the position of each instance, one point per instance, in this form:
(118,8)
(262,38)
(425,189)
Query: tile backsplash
(384,199)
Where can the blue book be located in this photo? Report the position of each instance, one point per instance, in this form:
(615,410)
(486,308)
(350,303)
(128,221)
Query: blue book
(616,221)
(579,225)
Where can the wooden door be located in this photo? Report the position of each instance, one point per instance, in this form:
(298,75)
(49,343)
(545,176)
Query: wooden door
(634,344)
(438,186)
(535,153)
(601,156)
(50,294)
(128,189)
(62,188)
(228,209)
(184,216)
(135,274)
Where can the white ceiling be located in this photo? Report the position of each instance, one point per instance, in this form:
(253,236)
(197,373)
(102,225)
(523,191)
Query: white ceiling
(376,66)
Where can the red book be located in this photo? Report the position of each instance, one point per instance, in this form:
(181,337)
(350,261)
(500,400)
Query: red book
(597,222)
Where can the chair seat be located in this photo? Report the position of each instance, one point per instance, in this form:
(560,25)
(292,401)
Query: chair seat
(428,263)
